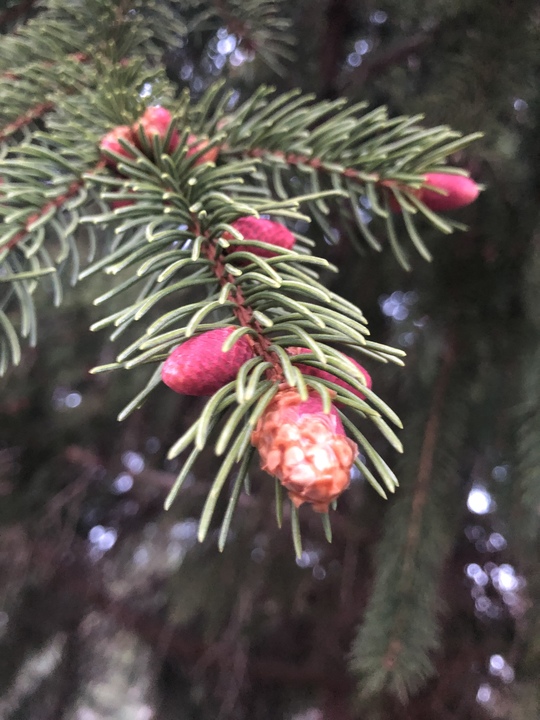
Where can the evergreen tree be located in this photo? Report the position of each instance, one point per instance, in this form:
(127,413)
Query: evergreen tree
(166,185)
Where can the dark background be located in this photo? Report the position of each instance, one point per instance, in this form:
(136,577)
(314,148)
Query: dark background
(111,610)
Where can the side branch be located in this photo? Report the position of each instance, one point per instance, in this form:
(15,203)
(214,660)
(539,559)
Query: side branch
(29,116)
(56,202)
(420,495)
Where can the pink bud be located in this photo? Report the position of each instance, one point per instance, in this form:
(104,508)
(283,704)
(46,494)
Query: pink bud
(267,231)
(110,142)
(199,367)
(325,375)
(459,191)
(155,121)
(195,145)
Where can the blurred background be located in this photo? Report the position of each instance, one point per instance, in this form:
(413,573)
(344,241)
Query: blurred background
(110,609)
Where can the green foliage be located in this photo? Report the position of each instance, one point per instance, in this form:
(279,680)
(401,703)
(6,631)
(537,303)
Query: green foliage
(394,647)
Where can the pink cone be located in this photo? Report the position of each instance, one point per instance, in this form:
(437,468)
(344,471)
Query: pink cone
(263,230)
(155,121)
(110,142)
(199,367)
(325,375)
(460,191)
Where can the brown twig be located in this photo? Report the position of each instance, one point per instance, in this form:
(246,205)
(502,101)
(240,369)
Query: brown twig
(56,202)
(38,110)
(243,313)
(29,116)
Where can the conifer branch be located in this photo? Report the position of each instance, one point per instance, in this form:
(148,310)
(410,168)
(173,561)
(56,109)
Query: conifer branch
(25,119)
(392,650)
(419,500)
(378,165)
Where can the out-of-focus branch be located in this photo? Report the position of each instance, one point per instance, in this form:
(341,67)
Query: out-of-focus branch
(388,57)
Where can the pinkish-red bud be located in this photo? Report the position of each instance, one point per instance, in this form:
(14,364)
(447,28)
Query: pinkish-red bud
(267,231)
(115,204)
(459,191)
(156,121)
(110,142)
(325,375)
(195,145)
(199,367)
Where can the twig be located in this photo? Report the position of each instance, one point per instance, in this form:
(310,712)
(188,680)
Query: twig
(56,202)
(29,116)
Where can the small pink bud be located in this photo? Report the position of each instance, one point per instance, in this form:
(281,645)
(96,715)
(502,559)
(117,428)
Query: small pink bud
(199,367)
(459,191)
(195,145)
(155,121)
(110,142)
(325,375)
(267,231)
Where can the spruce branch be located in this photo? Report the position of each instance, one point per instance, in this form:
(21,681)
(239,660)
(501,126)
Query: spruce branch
(177,235)
(392,650)
(25,119)
(378,164)
(261,26)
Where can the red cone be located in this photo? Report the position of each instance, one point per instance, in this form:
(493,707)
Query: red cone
(110,142)
(325,375)
(195,145)
(199,367)
(267,231)
(459,191)
(155,121)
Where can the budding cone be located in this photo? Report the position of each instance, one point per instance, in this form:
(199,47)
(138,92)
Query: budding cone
(195,145)
(199,367)
(267,231)
(110,142)
(459,191)
(155,121)
(305,448)
(325,375)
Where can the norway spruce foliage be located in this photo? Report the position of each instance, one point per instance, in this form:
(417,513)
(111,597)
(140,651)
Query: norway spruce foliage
(253,233)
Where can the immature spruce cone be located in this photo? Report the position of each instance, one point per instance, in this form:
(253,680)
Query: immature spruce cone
(110,142)
(155,121)
(326,375)
(459,191)
(199,367)
(267,231)
(305,448)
